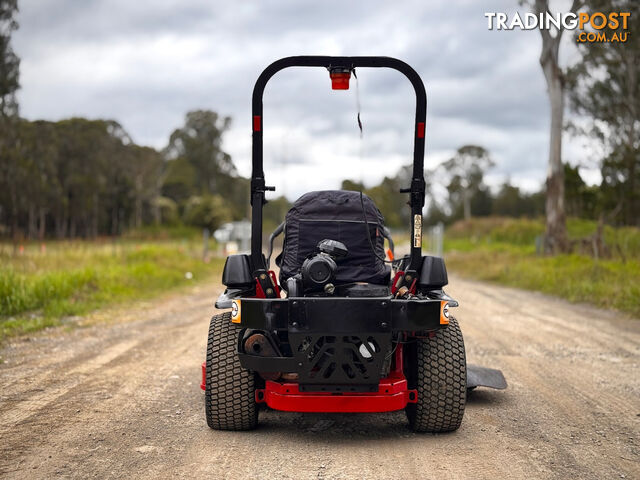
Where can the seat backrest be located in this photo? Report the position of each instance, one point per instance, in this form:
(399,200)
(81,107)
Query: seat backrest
(336,215)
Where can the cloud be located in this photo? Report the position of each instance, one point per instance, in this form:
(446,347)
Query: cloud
(147,66)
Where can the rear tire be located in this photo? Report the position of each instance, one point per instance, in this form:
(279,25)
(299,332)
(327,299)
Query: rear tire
(437,368)
(230,402)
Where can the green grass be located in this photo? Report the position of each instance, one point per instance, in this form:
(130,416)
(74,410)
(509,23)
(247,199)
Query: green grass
(503,251)
(162,232)
(41,287)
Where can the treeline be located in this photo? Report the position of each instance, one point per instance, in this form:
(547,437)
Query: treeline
(469,196)
(84,178)
(76,177)
(581,201)
(456,190)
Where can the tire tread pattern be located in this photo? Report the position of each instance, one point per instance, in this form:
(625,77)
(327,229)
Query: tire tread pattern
(230,389)
(441,381)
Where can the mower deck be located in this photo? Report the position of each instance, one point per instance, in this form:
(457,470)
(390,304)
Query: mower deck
(392,395)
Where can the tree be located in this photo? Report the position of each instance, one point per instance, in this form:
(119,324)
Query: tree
(93,176)
(604,87)
(9,62)
(199,142)
(198,166)
(274,212)
(180,180)
(207,211)
(34,171)
(9,84)
(145,169)
(165,211)
(387,196)
(466,171)
(81,178)
(352,185)
(556,229)
(435,215)
(511,202)
(581,199)
(391,202)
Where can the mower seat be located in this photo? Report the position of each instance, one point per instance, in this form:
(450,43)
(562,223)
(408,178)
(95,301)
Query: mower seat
(336,215)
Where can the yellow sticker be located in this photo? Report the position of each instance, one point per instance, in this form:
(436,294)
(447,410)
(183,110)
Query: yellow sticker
(417,231)
(444,313)
(236,310)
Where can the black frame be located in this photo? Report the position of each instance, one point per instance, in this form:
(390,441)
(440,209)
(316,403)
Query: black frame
(335,323)
(258,186)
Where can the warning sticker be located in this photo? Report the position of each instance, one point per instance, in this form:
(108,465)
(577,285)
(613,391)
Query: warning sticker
(417,231)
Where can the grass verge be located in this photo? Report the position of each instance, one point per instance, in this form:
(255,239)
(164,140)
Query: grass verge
(41,287)
(503,251)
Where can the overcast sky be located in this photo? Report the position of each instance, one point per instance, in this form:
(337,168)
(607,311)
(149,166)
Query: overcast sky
(145,64)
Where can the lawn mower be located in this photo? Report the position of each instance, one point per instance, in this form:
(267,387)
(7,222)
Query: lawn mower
(341,328)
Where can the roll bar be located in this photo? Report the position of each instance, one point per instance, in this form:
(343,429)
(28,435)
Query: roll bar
(417,187)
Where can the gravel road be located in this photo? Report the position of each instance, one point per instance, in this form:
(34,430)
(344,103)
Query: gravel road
(121,399)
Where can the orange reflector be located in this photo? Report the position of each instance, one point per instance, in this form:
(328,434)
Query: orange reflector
(390,254)
(236,311)
(444,313)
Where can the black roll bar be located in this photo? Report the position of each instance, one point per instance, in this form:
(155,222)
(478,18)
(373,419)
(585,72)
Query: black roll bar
(258,186)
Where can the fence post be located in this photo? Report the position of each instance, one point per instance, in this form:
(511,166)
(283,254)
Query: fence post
(436,235)
(205,244)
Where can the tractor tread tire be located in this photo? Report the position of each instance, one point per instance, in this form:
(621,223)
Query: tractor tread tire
(230,402)
(440,376)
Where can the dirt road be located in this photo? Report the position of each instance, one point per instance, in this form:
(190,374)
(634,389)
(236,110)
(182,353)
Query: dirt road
(123,400)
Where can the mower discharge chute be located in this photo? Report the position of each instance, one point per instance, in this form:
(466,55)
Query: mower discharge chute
(340,330)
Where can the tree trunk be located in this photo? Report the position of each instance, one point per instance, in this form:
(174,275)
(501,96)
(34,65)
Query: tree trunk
(31,222)
(57,222)
(632,155)
(155,210)
(556,231)
(42,223)
(63,221)
(13,199)
(114,221)
(466,203)
(94,217)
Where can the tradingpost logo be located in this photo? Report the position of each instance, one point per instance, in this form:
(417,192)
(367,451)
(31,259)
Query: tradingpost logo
(590,27)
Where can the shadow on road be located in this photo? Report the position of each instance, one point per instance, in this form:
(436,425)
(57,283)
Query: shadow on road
(487,397)
(347,427)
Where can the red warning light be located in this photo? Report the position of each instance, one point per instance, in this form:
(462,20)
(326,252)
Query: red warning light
(340,79)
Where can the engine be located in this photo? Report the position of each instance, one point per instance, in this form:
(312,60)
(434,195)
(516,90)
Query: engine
(319,270)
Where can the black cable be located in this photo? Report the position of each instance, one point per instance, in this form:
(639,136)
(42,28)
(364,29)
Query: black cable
(398,342)
(366,227)
(358,101)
